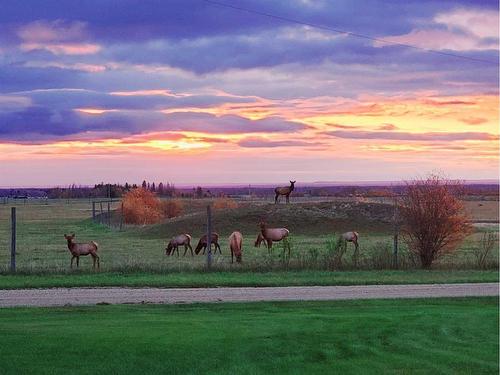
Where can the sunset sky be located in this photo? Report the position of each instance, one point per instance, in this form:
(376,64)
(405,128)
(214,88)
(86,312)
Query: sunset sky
(192,92)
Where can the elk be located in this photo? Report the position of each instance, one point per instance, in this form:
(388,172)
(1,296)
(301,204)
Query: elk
(271,235)
(350,237)
(284,190)
(82,249)
(235,242)
(175,242)
(202,243)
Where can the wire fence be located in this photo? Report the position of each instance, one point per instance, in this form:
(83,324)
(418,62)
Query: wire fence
(41,246)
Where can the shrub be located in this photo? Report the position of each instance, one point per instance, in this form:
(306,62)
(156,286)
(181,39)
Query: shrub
(334,253)
(140,206)
(222,203)
(380,256)
(434,219)
(172,208)
(482,252)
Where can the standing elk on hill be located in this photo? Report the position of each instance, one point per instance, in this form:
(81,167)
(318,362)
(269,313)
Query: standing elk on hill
(284,190)
(271,235)
(81,249)
(350,237)
(202,243)
(175,242)
(235,242)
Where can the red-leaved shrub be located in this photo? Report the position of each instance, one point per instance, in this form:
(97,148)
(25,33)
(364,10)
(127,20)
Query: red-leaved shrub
(222,203)
(140,206)
(435,222)
(172,208)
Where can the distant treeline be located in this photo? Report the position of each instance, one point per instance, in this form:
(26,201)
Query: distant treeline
(103,190)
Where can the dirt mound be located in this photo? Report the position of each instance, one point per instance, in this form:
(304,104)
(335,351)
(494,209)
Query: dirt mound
(300,218)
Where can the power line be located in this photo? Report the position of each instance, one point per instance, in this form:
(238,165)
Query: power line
(348,33)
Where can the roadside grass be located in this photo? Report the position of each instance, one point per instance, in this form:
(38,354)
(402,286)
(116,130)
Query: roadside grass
(445,336)
(243,278)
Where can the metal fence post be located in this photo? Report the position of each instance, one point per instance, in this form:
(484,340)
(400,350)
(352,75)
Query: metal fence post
(396,235)
(121,218)
(13,240)
(100,217)
(209,237)
(109,215)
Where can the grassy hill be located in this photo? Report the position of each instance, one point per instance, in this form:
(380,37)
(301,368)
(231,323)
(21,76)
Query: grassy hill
(300,218)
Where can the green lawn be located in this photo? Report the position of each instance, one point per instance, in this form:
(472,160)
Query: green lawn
(434,336)
(218,279)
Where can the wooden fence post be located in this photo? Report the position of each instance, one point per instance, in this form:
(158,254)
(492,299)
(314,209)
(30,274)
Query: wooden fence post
(93,212)
(100,217)
(209,237)
(13,240)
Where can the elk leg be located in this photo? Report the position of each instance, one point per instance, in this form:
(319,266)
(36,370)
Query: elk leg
(191,249)
(276,198)
(288,198)
(93,260)
(98,261)
(217,246)
(185,250)
(77,262)
(232,256)
(71,265)
(177,248)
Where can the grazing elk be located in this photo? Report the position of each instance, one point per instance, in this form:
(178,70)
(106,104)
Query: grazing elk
(284,190)
(271,235)
(235,242)
(175,242)
(350,237)
(202,243)
(82,249)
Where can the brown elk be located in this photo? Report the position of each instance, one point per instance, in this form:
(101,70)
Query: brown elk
(81,249)
(350,237)
(235,242)
(271,235)
(284,190)
(175,242)
(202,243)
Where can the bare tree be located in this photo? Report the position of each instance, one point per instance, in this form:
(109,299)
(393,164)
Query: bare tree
(434,219)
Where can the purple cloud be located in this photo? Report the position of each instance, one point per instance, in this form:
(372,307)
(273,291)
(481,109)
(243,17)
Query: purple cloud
(404,136)
(265,143)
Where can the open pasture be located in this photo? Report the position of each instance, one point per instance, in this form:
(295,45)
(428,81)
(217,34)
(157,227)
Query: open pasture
(41,245)
(457,336)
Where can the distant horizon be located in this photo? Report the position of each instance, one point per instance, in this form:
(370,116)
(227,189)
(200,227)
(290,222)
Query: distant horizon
(260,185)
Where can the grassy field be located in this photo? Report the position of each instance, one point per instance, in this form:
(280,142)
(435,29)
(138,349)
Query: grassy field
(41,246)
(439,336)
(252,279)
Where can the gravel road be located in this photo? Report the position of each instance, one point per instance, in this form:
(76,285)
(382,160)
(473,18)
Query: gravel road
(92,296)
